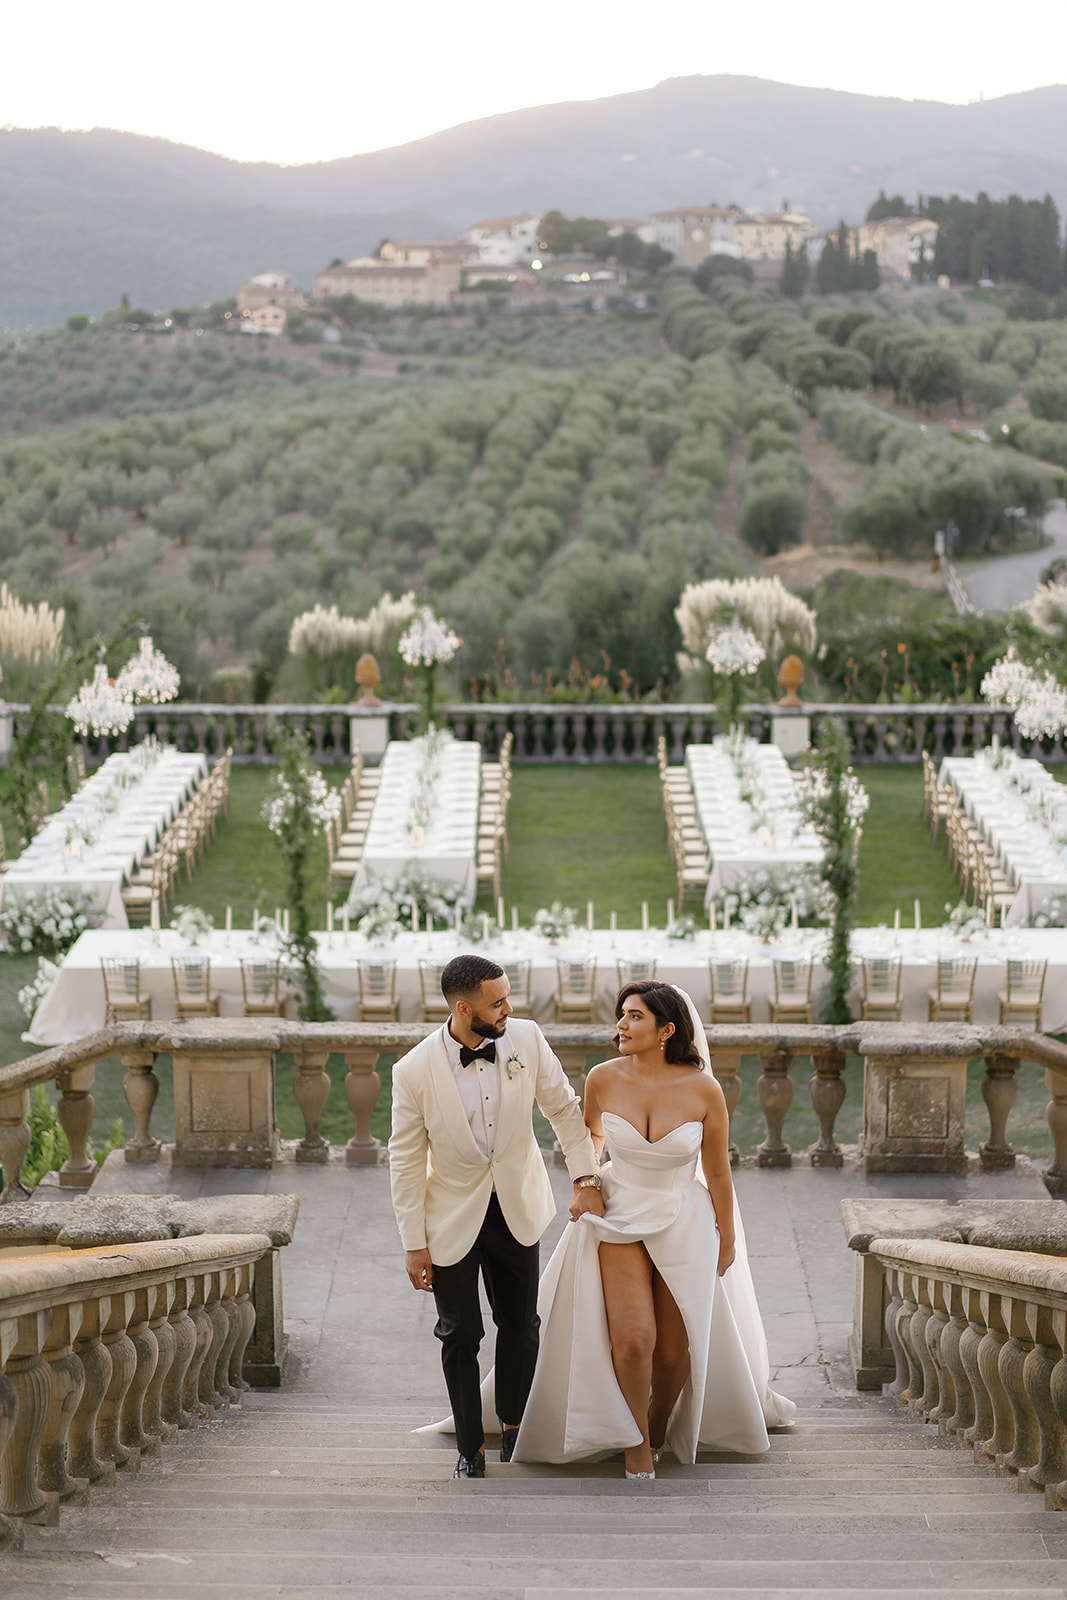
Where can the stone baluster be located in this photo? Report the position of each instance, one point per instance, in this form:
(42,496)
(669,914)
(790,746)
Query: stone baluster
(200,732)
(970,1348)
(774,1090)
(643,745)
(11,1535)
(318,735)
(75,1112)
(228,1280)
(312,1090)
(892,1312)
(120,1348)
(881,723)
(362,1087)
(481,731)
(246,1321)
(938,752)
(827,1094)
(959,734)
(908,1307)
(677,739)
(918,732)
(194,1398)
(1024,1448)
(572,1058)
(338,738)
(961,1416)
(999,1089)
(999,726)
(1055,1178)
(219,1324)
(173,1406)
(727,1070)
(538,719)
(95,1358)
(140,1086)
(180,734)
(945,1403)
(697,728)
(1038,1369)
(999,1440)
(14,1142)
(260,753)
(132,1430)
(68,1385)
(921,1403)
(1056,1491)
(22,1341)
(600,728)
(161,1303)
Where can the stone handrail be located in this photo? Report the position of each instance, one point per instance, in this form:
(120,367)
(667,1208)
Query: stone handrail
(931,1057)
(980,1341)
(106,1354)
(567,733)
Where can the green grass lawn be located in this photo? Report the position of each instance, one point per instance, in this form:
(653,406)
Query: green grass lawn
(577,834)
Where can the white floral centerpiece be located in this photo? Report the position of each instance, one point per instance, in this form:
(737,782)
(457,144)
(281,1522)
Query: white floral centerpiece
(767,901)
(31,996)
(682,927)
(734,653)
(387,906)
(966,922)
(285,800)
(48,921)
(192,923)
(427,645)
(555,922)
(1052,912)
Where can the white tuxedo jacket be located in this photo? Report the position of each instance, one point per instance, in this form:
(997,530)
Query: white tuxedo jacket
(441,1182)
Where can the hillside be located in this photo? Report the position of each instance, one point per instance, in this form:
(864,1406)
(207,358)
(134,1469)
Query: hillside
(88,215)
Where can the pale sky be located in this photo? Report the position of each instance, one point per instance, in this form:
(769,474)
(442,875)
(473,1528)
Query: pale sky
(282,83)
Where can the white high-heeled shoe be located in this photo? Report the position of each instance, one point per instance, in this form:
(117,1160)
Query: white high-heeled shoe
(645,1475)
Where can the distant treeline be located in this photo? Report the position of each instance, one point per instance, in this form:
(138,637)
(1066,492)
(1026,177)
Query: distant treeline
(1014,239)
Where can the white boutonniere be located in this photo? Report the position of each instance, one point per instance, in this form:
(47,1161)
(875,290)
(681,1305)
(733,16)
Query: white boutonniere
(513,1066)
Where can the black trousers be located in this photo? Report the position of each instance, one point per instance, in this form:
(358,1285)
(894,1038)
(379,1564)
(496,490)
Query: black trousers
(509,1270)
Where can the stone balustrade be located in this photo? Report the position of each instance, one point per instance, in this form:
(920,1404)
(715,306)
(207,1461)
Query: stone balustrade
(106,1354)
(980,1343)
(564,733)
(224,1074)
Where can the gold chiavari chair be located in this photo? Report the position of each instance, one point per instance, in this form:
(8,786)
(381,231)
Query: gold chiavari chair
(123,1001)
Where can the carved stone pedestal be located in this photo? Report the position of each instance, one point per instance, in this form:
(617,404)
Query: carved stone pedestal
(913,1108)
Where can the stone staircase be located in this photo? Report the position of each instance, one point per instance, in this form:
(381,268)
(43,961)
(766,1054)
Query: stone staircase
(298,1495)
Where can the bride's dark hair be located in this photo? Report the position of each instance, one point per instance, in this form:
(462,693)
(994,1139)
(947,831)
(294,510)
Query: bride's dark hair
(667,1006)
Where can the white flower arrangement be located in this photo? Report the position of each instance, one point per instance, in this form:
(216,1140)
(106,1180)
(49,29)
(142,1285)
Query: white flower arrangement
(1037,699)
(428,641)
(555,922)
(192,923)
(31,996)
(48,922)
(966,922)
(1052,912)
(148,677)
(682,927)
(780,621)
(324,632)
(280,806)
(79,832)
(384,907)
(813,795)
(763,904)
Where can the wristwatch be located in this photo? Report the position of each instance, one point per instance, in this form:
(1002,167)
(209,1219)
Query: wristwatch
(592,1181)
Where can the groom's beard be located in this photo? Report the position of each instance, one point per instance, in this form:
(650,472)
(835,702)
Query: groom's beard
(486,1029)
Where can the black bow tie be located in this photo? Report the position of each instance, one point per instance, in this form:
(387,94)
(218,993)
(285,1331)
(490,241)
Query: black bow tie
(467,1055)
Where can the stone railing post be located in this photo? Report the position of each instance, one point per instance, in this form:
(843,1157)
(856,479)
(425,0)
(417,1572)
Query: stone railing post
(1022,1449)
(999,1089)
(981,1423)
(1055,1178)
(727,1070)
(132,1430)
(998,1441)
(827,1095)
(68,1384)
(14,1142)
(1038,1369)
(120,1348)
(75,1112)
(1056,1486)
(161,1305)
(362,1087)
(95,1360)
(312,1090)
(140,1086)
(22,1342)
(774,1090)
(173,1392)
(11,1535)
(949,1423)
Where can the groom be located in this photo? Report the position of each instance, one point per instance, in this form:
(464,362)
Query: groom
(470,1190)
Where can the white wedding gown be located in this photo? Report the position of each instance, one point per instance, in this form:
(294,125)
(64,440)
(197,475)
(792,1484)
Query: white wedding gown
(576,1409)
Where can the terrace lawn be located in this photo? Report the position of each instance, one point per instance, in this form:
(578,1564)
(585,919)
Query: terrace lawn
(577,834)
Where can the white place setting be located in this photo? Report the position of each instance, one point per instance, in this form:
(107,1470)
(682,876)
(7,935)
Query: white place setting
(747,807)
(425,813)
(96,840)
(1022,811)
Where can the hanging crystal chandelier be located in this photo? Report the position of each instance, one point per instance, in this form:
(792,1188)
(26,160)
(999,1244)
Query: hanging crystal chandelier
(735,650)
(148,676)
(99,706)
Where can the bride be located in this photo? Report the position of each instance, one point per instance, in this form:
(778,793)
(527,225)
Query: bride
(650,1332)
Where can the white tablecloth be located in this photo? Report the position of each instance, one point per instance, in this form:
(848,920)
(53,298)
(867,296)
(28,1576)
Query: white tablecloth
(143,810)
(75,1004)
(443,844)
(740,841)
(1023,841)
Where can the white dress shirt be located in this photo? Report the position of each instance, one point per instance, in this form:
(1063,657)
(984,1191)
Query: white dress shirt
(479,1091)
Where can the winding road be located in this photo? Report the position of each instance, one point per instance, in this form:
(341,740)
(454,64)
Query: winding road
(1002,582)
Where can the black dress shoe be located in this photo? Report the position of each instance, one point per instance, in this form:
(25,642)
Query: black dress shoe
(508,1437)
(470,1466)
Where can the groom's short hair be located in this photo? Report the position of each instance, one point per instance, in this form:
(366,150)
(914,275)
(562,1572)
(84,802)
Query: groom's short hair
(464,976)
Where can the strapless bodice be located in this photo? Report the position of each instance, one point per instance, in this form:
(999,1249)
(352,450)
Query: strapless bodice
(663,1164)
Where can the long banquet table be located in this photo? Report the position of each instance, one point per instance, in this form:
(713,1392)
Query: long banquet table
(144,804)
(1019,832)
(75,1004)
(442,843)
(741,840)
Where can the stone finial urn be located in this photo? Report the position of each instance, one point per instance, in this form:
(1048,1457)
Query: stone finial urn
(790,677)
(368,677)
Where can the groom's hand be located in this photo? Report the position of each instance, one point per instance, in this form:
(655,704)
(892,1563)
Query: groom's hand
(587,1199)
(419,1268)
